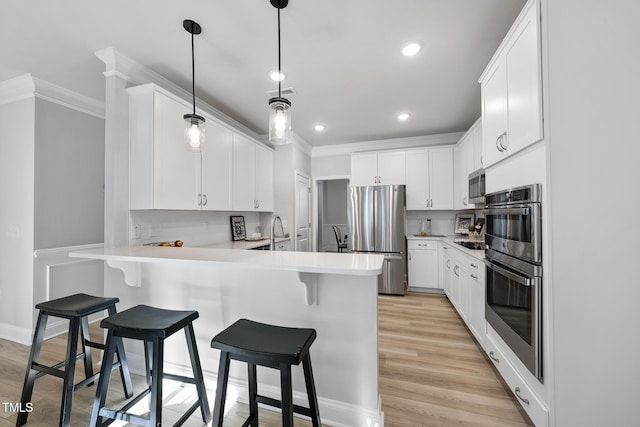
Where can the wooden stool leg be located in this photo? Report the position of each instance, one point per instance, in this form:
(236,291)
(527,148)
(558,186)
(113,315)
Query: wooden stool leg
(311,391)
(30,376)
(287,395)
(155,405)
(103,381)
(197,373)
(221,390)
(70,371)
(125,375)
(253,393)
(85,337)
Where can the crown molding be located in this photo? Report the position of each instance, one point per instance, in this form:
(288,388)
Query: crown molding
(122,66)
(387,144)
(26,86)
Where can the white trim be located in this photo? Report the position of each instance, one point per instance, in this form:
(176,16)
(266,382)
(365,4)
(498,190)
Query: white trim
(16,334)
(26,86)
(122,66)
(387,144)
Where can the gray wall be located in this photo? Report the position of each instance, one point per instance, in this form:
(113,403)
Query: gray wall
(69,177)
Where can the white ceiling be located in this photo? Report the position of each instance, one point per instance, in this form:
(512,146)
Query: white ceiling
(341,57)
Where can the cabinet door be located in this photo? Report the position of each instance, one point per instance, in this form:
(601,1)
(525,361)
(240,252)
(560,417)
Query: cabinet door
(447,273)
(264,179)
(523,84)
(391,168)
(494,112)
(441,178)
(176,171)
(217,161)
(244,178)
(417,179)
(478,148)
(423,269)
(364,169)
(476,318)
(462,155)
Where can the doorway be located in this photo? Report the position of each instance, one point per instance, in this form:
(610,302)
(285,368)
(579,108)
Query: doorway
(332,205)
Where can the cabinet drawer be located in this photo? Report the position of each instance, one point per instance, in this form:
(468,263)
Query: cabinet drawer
(534,408)
(422,245)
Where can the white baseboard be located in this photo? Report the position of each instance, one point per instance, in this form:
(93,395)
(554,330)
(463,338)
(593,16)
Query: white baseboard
(16,334)
(332,412)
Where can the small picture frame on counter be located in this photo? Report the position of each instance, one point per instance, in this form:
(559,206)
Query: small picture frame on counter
(463,221)
(238,231)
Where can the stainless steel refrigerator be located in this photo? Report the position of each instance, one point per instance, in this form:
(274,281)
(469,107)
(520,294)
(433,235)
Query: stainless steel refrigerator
(377,221)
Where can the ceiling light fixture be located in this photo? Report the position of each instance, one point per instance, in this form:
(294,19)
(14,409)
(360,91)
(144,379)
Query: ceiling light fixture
(194,131)
(319,128)
(277,76)
(411,48)
(404,116)
(279,107)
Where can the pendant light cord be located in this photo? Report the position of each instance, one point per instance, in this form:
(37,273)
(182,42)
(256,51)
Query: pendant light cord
(279,63)
(193,75)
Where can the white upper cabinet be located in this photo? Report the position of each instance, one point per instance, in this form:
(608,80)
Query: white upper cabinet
(380,168)
(429,179)
(217,158)
(511,90)
(164,175)
(253,176)
(467,157)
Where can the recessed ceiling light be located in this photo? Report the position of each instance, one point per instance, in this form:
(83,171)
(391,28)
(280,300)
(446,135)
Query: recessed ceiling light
(277,76)
(404,116)
(411,48)
(319,128)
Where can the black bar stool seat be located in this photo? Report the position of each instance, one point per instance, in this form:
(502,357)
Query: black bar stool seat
(271,346)
(76,308)
(151,325)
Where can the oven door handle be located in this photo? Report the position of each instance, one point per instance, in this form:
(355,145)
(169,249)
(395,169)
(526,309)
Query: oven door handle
(510,210)
(511,275)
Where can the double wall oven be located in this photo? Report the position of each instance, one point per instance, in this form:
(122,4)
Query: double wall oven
(514,271)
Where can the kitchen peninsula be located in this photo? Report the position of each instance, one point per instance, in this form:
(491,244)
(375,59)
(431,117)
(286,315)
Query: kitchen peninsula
(336,294)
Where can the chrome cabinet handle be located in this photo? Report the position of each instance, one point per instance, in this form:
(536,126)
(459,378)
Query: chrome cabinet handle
(448,263)
(455,270)
(464,201)
(199,199)
(473,276)
(258,203)
(204,203)
(517,392)
(409,257)
(446,248)
(473,265)
(498,144)
(495,359)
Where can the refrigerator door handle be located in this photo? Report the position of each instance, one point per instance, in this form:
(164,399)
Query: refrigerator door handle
(375,217)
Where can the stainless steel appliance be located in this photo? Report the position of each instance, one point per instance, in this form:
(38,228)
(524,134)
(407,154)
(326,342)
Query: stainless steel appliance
(376,217)
(514,272)
(477,187)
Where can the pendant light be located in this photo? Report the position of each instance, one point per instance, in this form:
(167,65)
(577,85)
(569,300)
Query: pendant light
(194,135)
(279,107)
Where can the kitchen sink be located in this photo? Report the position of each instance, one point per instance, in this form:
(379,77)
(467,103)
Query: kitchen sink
(430,235)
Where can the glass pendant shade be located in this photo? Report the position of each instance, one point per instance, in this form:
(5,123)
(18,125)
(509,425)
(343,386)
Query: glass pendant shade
(279,121)
(194,133)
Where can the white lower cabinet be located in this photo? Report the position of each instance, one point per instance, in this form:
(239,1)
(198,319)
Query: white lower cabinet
(533,406)
(422,263)
(463,282)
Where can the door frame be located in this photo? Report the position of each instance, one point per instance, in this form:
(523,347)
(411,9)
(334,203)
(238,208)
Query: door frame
(314,201)
(297,173)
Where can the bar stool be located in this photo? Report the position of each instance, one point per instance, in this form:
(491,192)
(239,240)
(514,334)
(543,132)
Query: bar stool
(76,308)
(151,325)
(272,346)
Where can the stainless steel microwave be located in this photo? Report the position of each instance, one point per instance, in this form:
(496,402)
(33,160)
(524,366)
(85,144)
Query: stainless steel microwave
(477,187)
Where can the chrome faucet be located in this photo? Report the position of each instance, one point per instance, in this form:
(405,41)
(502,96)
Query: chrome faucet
(272,244)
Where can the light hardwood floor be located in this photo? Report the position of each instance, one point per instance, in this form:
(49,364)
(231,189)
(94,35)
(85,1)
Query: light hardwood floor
(432,373)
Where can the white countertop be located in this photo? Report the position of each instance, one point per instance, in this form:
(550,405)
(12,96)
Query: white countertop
(478,254)
(302,262)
